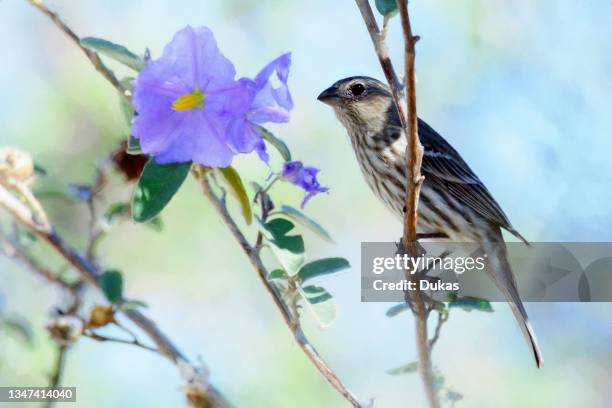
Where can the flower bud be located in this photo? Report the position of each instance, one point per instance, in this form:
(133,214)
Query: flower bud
(100,316)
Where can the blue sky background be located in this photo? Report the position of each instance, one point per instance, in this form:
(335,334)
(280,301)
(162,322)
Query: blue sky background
(522,89)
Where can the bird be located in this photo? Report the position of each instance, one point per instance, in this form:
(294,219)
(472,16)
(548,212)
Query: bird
(453,202)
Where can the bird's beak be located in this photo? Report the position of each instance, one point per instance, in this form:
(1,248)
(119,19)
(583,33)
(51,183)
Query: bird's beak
(329,96)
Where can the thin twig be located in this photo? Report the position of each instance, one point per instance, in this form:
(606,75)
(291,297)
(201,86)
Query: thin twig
(89,272)
(91,55)
(378,39)
(442,318)
(58,370)
(95,233)
(134,341)
(15,251)
(293,324)
(31,200)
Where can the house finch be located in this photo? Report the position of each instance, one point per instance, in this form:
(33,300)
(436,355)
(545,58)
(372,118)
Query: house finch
(453,201)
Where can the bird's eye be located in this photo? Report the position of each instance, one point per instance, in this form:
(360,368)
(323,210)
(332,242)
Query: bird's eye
(357,89)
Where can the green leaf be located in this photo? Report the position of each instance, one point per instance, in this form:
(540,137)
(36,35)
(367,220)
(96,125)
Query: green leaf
(469,303)
(278,274)
(233,180)
(300,218)
(278,144)
(279,227)
(157,185)
(387,7)
(288,249)
(111,283)
(115,51)
(397,309)
(322,267)
(321,303)
(116,210)
(289,260)
(292,243)
(405,369)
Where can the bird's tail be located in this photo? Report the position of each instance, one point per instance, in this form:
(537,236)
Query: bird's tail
(501,272)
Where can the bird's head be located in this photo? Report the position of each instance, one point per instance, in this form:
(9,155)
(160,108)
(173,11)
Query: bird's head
(359,101)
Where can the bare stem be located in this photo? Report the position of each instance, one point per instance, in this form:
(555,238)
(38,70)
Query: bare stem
(91,55)
(133,341)
(414,149)
(380,46)
(58,370)
(414,158)
(15,251)
(442,318)
(292,323)
(89,272)
(414,155)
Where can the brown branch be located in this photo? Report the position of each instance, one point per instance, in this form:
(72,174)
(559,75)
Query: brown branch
(15,251)
(91,55)
(89,272)
(58,368)
(291,321)
(414,154)
(380,46)
(414,149)
(414,158)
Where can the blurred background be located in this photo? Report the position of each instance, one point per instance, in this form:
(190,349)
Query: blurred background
(522,89)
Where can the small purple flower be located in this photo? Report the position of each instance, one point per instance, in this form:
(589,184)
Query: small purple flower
(270,101)
(185,101)
(304,177)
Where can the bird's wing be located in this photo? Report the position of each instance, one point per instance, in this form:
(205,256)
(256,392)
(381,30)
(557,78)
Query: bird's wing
(442,164)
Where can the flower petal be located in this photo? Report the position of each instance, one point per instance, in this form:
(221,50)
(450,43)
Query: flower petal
(260,149)
(198,138)
(242,136)
(232,100)
(212,132)
(291,170)
(304,177)
(272,104)
(194,57)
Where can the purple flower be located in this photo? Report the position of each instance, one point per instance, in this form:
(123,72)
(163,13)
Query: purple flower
(185,101)
(304,177)
(269,101)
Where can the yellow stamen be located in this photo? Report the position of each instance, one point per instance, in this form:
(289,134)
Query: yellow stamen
(191,100)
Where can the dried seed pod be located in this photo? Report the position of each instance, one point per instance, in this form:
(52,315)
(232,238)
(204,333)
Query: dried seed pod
(15,164)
